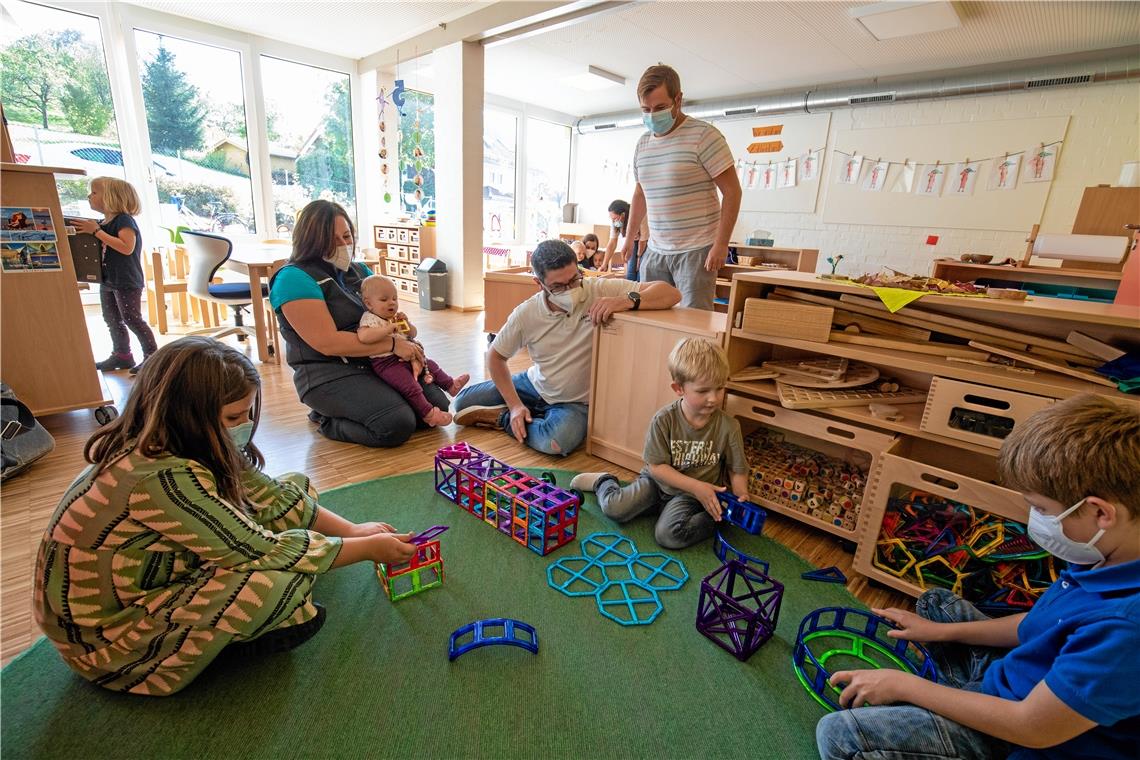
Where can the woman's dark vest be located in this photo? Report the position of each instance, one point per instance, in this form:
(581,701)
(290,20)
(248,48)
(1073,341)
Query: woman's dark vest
(310,367)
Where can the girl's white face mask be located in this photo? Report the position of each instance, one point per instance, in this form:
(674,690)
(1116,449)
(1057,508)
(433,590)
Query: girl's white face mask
(1048,533)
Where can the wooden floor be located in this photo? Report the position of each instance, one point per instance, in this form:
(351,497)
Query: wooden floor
(290,443)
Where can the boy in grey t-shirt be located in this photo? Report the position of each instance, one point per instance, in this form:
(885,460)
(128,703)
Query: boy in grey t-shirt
(692,449)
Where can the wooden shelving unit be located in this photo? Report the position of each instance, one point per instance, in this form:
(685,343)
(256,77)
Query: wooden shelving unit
(793,259)
(950,467)
(401,247)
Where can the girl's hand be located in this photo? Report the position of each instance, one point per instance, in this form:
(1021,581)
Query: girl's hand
(874,687)
(372,528)
(911,626)
(392,548)
(88,226)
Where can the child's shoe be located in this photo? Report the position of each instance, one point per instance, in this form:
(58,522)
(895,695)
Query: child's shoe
(116,361)
(135,369)
(588,481)
(437,418)
(457,385)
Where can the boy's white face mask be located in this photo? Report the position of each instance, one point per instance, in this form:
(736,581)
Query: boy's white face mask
(1048,533)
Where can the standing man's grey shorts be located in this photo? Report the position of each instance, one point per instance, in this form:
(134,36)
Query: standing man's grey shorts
(684,271)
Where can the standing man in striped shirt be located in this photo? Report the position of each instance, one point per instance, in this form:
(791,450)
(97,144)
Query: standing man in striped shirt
(679,165)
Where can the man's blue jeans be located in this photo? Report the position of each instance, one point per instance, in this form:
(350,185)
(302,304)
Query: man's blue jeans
(556,428)
(906,732)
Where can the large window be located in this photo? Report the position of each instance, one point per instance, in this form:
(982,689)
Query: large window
(547,177)
(499,143)
(57,96)
(308,115)
(195,114)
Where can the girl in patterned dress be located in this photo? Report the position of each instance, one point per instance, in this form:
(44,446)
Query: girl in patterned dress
(174,545)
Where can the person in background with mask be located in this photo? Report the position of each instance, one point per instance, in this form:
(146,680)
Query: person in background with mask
(619,221)
(317,300)
(174,548)
(1058,681)
(679,165)
(545,407)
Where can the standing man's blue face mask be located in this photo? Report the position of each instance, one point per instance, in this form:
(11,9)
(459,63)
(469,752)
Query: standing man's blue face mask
(658,122)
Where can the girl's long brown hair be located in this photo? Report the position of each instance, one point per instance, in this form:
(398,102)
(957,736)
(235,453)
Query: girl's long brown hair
(175,410)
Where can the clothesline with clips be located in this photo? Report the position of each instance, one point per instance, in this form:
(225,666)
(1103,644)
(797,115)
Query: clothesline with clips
(742,162)
(967,160)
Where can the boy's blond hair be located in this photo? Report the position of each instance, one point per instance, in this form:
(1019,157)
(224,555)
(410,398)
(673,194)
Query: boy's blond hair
(1082,446)
(696,359)
(370,282)
(119,196)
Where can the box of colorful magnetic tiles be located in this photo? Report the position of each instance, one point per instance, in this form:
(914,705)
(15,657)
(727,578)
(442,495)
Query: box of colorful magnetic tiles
(532,511)
(624,583)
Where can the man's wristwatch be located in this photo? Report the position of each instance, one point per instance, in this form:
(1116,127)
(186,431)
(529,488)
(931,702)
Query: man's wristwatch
(635,297)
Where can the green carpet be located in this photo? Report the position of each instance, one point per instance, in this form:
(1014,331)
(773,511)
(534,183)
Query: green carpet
(376,682)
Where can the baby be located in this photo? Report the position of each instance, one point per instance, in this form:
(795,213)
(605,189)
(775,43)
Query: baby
(382,322)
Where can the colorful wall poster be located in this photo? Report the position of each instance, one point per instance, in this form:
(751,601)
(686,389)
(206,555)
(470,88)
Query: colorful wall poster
(809,166)
(876,177)
(787,176)
(768,177)
(25,223)
(963,177)
(849,169)
(1040,162)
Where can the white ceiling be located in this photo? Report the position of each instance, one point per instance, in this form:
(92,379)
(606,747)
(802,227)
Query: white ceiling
(723,49)
(350,29)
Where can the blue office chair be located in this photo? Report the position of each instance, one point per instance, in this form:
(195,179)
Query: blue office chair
(207,255)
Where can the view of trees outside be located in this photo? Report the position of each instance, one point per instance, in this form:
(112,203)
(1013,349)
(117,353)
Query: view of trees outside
(194,100)
(57,96)
(417,153)
(500,138)
(310,137)
(547,177)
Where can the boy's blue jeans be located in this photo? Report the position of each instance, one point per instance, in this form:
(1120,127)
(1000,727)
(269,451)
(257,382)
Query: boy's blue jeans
(564,424)
(906,732)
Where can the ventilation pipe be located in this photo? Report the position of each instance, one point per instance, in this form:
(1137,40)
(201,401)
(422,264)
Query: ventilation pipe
(1105,66)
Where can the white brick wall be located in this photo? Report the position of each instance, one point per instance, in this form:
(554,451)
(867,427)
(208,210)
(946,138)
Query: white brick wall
(1104,132)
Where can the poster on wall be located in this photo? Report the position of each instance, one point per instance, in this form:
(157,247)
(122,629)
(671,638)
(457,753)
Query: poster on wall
(1040,161)
(1003,173)
(809,166)
(787,176)
(962,179)
(848,171)
(31,256)
(876,177)
(768,177)
(930,180)
(25,224)
(751,177)
(904,178)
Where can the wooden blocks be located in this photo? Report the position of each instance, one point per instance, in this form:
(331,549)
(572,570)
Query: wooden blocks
(787,320)
(792,397)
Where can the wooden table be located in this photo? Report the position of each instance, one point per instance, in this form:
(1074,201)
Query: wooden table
(259,261)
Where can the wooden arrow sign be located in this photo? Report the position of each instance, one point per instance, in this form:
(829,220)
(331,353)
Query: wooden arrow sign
(773,146)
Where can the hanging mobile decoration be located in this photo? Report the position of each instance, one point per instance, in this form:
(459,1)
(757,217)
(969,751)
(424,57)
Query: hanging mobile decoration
(381,104)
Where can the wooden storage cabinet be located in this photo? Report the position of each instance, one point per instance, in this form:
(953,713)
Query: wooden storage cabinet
(811,468)
(754,259)
(929,455)
(976,413)
(401,248)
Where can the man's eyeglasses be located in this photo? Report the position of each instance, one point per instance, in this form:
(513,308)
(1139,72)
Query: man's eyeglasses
(556,289)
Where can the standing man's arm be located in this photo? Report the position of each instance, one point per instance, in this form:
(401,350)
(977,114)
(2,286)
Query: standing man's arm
(501,377)
(636,215)
(729,185)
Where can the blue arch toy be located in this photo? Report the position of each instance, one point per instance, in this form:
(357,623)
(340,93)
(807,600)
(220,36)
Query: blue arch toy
(725,551)
(483,634)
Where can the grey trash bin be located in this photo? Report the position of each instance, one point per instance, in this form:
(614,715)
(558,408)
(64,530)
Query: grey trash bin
(432,277)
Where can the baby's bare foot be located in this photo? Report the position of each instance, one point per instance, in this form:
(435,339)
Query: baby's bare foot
(438,418)
(458,385)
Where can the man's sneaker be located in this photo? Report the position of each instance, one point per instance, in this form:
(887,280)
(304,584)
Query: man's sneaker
(588,481)
(116,361)
(481,416)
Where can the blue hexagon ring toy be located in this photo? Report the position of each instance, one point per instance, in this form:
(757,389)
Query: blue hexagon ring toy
(576,576)
(629,603)
(608,548)
(658,571)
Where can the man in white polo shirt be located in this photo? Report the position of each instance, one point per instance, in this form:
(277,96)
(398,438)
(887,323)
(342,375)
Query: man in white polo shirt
(545,407)
(679,166)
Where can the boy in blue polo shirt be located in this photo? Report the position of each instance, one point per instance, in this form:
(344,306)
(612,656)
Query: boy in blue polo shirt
(1060,681)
